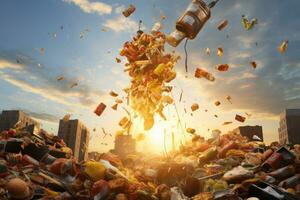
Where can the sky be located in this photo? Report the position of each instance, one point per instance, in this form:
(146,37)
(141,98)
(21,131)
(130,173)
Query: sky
(80,39)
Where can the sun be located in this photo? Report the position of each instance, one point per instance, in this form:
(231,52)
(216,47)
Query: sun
(162,137)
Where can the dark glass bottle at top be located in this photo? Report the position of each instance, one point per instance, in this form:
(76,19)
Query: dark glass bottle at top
(190,23)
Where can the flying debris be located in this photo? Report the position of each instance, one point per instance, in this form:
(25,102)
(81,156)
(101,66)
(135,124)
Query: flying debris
(253,64)
(81,35)
(229,99)
(222,67)
(60,78)
(119,101)
(124,122)
(100,108)
(129,10)
(42,50)
(240,118)
(191,130)
(74,85)
(115,106)
(200,73)
(207,51)
(282,48)
(248,24)
(61,27)
(220,51)
(222,25)
(226,123)
(216,116)
(180,97)
(217,103)
(150,69)
(194,107)
(118,60)
(104,132)
(113,94)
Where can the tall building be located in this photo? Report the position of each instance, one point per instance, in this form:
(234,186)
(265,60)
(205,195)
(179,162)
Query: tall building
(76,136)
(16,118)
(124,145)
(289,127)
(250,131)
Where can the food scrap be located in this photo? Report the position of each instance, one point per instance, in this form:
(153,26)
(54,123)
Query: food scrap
(222,67)
(248,24)
(240,118)
(113,94)
(200,73)
(283,46)
(222,25)
(253,64)
(129,10)
(217,103)
(194,107)
(220,51)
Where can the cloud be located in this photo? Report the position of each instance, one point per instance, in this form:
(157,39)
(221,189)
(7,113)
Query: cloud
(42,116)
(41,82)
(122,23)
(120,9)
(6,64)
(92,7)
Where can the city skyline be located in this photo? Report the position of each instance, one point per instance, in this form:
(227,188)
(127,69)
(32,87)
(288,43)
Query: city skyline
(80,42)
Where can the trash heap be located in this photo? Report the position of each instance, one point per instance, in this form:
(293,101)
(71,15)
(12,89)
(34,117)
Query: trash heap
(150,69)
(226,167)
(232,167)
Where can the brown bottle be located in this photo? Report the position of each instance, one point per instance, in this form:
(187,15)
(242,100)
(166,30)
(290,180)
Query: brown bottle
(191,22)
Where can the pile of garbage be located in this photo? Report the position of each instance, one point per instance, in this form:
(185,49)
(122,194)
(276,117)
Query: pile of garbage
(226,167)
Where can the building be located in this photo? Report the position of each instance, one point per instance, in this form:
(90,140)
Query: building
(76,136)
(289,127)
(124,145)
(250,131)
(18,119)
